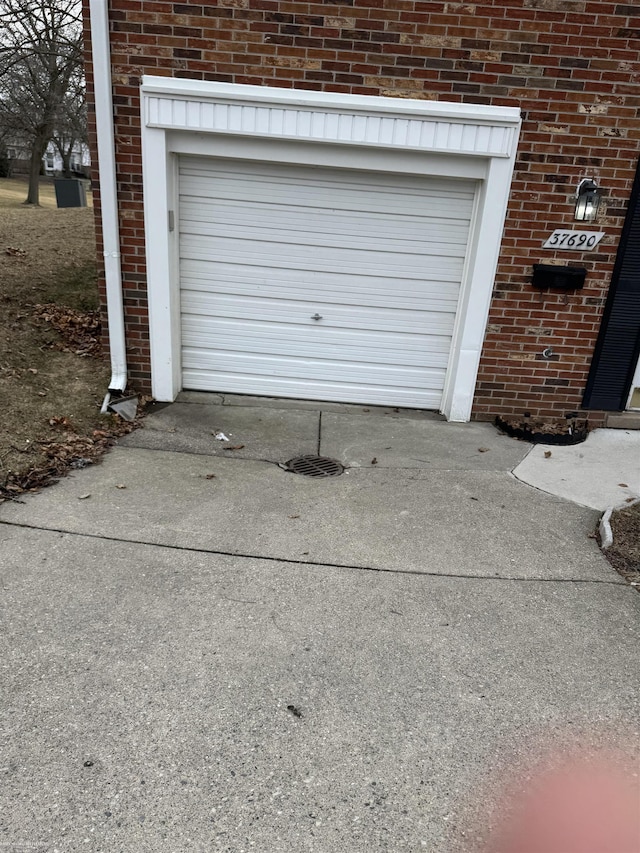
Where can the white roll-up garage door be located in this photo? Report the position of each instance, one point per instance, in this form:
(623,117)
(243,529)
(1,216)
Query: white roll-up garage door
(319,283)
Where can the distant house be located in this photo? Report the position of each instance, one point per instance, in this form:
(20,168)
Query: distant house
(79,161)
(426,204)
(18,154)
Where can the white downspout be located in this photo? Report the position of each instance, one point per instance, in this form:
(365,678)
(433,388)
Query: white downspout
(101,54)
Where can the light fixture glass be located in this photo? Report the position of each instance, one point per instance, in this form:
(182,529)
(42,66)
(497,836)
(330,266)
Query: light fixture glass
(587,201)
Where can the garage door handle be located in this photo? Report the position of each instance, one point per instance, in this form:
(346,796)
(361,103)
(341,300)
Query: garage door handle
(316,316)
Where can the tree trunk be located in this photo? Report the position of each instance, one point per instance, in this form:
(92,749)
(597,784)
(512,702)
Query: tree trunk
(66,161)
(35,165)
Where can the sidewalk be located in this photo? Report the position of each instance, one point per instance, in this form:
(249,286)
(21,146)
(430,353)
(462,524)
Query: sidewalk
(257,660)
(602,472)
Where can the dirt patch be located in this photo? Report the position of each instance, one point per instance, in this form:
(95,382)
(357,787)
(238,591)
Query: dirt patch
(624,554)
(52,371)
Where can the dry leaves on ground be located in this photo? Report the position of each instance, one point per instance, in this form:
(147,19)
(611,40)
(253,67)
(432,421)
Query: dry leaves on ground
(67,452)
(79,330)
(624,554)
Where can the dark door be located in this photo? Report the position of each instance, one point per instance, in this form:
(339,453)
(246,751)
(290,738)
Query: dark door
(618,344)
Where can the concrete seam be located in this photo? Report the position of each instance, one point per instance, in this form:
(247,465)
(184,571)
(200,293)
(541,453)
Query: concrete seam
(363,468)
(245,556)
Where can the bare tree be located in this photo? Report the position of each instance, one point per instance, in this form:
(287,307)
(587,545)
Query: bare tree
(40,70)
(70,133)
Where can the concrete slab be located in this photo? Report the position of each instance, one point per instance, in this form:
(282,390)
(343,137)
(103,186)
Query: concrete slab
(146,691)
(601,472)
(264,433)
(479,523)
(206,398)
(397,442)
(240,400)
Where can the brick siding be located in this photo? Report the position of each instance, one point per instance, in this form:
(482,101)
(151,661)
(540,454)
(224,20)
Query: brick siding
(572,66)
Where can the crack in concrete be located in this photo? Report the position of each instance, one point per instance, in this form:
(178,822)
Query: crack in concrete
(292,561)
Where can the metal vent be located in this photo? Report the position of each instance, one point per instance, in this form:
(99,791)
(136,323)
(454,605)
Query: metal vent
(314,466)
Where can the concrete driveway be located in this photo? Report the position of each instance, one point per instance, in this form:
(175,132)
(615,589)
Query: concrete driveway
(202,651)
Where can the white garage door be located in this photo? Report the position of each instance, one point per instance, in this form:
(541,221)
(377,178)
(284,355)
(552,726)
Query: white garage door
(319,283)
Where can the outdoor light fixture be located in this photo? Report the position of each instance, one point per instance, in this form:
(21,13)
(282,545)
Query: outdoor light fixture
(587,200)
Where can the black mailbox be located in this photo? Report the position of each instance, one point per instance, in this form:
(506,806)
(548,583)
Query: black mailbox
(561,278)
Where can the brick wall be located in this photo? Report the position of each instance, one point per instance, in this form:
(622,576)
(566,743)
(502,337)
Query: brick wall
(572,66)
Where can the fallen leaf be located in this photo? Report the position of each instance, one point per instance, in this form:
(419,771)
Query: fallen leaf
(84,497)
(120,486)
(234,447)
(623,485)
(547,454)
(483,450)
(60,422)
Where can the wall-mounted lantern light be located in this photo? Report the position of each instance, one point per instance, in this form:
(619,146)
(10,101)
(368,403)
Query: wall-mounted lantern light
(587,200)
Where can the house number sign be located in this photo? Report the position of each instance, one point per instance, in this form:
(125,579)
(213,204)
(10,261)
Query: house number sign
(577,241)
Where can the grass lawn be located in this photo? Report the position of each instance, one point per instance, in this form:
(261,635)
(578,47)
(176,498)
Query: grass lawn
(51,387)
(13,192)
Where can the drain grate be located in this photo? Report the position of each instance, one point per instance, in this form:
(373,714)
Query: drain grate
(314,466)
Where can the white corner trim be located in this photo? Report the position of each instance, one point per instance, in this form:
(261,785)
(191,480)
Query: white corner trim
(370,126)
(176,104)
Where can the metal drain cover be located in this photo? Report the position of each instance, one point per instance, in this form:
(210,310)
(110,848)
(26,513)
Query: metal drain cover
(314,466)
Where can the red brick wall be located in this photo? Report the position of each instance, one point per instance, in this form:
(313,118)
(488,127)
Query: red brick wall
(572,66)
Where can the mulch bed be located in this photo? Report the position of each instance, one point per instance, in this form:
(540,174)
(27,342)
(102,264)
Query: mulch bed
(570,431)
(624,554)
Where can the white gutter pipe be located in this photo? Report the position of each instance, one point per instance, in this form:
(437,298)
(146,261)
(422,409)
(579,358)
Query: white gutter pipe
(101,54)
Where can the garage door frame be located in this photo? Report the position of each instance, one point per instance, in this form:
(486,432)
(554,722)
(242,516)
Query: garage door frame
(342,131)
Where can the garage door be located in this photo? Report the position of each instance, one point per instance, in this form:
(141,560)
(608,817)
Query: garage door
(319,283)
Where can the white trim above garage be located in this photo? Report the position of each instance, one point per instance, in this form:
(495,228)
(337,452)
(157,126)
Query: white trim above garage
(386,135)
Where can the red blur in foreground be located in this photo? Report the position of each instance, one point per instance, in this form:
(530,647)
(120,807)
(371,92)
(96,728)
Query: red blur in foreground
(585,808)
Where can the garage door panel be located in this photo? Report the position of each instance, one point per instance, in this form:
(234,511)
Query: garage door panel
(257,364)
(344,344)
(205,215)
(316,188)
(314,285)
(301,257)
(395,204)
(284,312)
(265,247)
(330,231)
(307,389)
